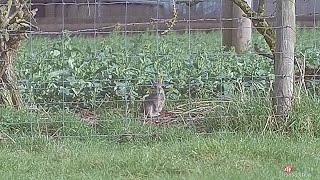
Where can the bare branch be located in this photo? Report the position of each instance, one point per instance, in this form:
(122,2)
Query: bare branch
(258,50)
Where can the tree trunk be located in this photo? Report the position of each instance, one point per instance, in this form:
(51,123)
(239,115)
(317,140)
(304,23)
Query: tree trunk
(284,57)
(15,21)
(9,93)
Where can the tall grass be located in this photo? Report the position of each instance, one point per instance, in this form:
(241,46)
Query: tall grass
(243,115)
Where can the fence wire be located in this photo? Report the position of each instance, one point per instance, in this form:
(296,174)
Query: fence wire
(86,70)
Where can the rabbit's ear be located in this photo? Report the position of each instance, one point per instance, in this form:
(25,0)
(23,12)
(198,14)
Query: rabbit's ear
(152,81)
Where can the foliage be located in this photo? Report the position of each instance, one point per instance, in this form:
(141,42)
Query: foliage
(119,67)
(80,69)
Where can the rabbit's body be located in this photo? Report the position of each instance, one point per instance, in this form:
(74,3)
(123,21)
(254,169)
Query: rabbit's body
(153,103)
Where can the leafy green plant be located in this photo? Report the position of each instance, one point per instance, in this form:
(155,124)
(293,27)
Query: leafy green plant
(74,70)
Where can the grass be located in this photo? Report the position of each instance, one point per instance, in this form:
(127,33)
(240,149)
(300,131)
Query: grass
(244,114)
(219,156)
(150,152)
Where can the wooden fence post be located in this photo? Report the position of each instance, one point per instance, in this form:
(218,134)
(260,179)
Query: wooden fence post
(241,34)
(284,57)
(227,15)
(236,28)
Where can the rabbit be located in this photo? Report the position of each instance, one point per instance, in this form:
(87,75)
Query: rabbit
(153,103)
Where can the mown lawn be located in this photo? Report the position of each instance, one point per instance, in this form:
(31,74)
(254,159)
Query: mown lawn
(190,156)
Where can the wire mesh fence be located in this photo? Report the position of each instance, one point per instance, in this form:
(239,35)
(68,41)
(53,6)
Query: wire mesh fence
(86,71)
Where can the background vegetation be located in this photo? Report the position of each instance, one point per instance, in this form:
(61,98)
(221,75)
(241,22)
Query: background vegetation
(79,69)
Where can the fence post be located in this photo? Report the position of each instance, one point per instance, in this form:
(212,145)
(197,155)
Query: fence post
(236,28)
(227,16)
(242,29)
(284,57)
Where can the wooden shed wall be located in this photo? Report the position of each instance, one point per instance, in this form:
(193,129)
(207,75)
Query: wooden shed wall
(54,16)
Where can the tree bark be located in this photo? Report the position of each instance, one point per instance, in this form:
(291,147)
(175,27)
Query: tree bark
(15,21)
(9,93)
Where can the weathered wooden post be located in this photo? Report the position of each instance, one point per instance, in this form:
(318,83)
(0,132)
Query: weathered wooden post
(242,28)
(227,15)
(236,28)
(284,56)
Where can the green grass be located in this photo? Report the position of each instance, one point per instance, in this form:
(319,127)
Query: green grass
(219,156)
(244,114)
(79,151)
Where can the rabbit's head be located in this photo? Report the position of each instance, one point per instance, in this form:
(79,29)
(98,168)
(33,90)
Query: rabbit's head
(158,87)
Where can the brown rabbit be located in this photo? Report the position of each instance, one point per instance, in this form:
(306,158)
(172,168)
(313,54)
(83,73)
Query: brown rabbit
(153,103)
